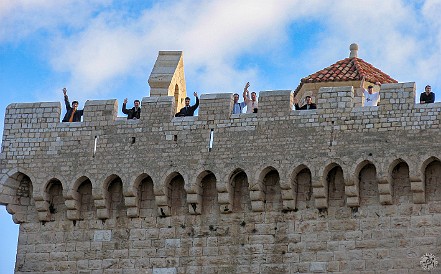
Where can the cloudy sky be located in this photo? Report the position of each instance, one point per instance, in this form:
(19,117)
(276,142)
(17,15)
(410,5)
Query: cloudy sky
(102,49)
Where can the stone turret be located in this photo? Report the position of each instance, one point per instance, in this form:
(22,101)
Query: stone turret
(168,78)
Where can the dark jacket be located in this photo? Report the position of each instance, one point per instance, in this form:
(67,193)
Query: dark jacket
(304,107)
(188,111)
(427,98)
(77,114)
(131,113)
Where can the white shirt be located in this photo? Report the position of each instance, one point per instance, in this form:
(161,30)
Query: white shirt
(371,100)
(251,105)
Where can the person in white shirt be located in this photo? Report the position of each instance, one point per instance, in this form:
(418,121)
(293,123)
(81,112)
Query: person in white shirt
(371,98)
(252,104)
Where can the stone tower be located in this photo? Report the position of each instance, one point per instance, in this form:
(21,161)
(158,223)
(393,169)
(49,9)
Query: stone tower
(341,188)
(168,78)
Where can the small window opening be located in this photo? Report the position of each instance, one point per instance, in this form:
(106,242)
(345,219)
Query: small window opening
(210,144)
(94,147)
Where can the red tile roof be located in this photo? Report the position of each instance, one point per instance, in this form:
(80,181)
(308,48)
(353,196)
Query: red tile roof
(349,69)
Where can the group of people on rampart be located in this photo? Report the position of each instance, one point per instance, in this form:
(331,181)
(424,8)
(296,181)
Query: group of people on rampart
(250,103)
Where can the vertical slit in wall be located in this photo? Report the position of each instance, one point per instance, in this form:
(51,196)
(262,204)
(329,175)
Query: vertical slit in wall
(210,144)
(94,147)
(332,134)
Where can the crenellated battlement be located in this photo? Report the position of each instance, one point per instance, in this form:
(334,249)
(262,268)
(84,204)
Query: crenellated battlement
(396,100)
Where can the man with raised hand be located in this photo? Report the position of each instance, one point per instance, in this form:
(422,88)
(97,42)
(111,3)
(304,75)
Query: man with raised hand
(73,114)
(134,112)
(188,110)
(251,102)
(309,104)
(371,98)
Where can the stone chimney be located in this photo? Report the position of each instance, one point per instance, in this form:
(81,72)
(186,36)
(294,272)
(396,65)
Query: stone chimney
(354,51)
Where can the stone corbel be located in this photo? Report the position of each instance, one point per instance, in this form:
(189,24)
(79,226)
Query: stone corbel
(418,188)
(194,195)
(257,196)
(102,204)
(320,192)
(224,196)
(288,197)
(42,206)
(72,202)
(161,198)
(352,192)
(385,190)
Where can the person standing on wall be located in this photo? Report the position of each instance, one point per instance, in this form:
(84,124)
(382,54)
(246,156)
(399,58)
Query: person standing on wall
(371,98)
(73,114)
(427,96)
(237,107)
(309,104)
(252,104)
(188,110)
(134,112)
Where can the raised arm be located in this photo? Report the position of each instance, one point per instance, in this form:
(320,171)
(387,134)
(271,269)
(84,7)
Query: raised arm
(197,101)
(124,107)
(66,99)
(246,93)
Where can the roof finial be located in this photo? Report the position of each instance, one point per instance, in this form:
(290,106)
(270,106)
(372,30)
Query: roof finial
(354,50)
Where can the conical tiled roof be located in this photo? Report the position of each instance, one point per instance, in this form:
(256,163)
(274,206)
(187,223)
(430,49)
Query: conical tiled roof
(349,69)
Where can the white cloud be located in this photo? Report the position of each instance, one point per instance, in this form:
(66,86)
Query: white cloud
(21,18)
(212,35)
(102,46)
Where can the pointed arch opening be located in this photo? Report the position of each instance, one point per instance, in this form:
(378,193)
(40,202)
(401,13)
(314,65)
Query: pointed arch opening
(177,195)
(21,205)
(176,95)
(271,189)
(240,191)
(57,206)
(399,174)
(210,205)
(368,184)
(303,187)
(115,197)
(336,186)
(85,198)
(146,196)
(432,177)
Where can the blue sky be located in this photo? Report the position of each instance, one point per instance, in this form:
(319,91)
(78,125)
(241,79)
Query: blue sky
(102,49)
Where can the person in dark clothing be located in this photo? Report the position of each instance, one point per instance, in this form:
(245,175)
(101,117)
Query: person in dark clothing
(427,96)
(73,114)
(134,112)
(309,104)
(188,110)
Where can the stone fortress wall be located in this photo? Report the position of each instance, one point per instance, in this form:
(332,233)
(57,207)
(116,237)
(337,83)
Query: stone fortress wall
(342,188)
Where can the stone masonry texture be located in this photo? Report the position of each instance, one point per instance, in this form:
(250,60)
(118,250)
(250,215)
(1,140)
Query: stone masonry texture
(340,189)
